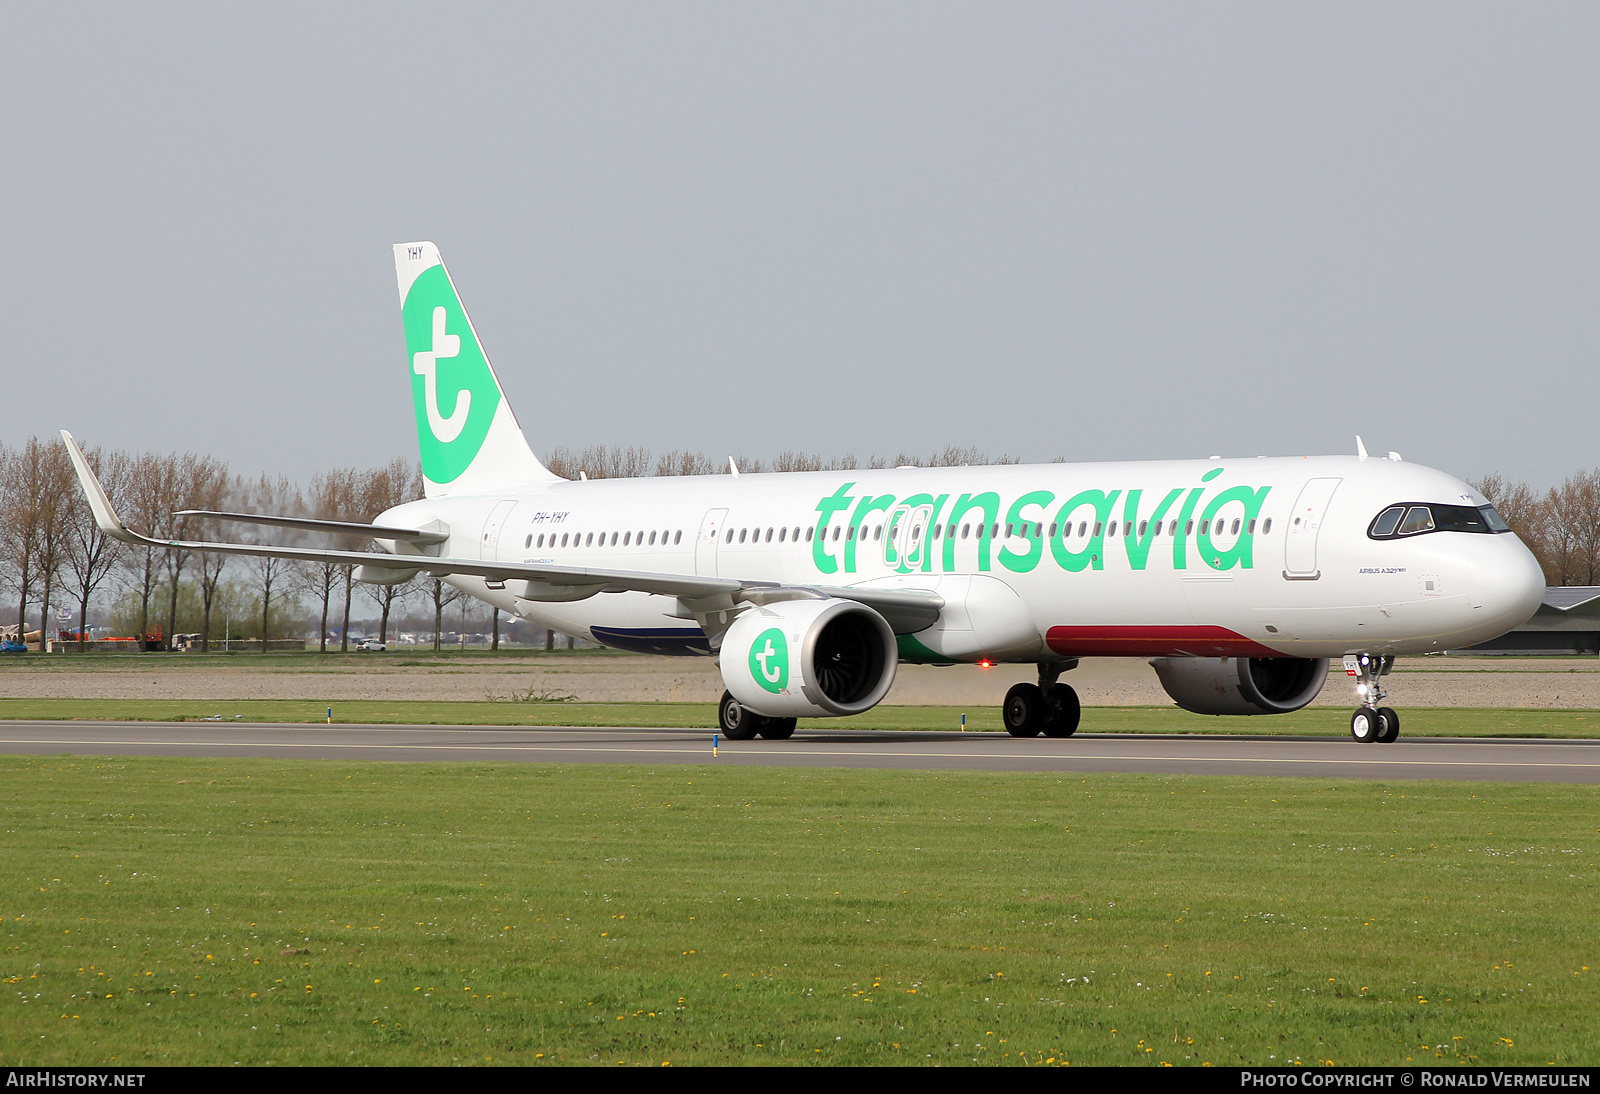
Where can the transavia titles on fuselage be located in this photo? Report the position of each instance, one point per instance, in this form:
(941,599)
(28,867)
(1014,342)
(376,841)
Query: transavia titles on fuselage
(1237,579)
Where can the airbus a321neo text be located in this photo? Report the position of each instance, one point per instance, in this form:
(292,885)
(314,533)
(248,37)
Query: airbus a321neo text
(1238,579)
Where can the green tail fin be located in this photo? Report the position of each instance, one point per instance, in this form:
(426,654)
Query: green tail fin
(468,436)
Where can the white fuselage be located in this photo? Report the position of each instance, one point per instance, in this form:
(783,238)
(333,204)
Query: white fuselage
(1240,557)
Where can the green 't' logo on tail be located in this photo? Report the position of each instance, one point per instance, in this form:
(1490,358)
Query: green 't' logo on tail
(452,389)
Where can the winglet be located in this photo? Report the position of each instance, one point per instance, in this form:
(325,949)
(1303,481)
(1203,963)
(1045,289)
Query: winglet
(1361,449)
(104,515)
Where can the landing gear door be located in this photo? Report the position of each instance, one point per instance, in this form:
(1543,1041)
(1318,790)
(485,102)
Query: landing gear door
(905,540)
(705,548)
(1300,539)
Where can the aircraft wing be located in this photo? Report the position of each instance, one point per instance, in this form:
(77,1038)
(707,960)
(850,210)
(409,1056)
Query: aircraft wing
(1570,602)
(906,610)
(422,537)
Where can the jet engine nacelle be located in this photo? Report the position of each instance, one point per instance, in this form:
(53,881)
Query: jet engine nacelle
(1241,685)
(809,659)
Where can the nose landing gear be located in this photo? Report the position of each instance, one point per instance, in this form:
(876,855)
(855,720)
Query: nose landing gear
(1372,723)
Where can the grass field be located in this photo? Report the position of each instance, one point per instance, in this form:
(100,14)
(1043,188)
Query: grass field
(1418,722)
(162,910)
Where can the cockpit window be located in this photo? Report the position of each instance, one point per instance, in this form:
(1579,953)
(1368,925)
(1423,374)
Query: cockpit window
(1459,518)
(1418,519)
(1496,522)
(1385,524)
(1415,519)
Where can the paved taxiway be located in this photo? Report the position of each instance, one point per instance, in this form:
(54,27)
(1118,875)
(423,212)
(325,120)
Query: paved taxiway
(1501,759)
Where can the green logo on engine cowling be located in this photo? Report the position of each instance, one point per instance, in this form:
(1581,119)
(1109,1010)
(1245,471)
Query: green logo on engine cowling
(452,389)
(769,660)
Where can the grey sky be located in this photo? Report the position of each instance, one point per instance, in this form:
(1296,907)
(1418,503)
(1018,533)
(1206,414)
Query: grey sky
(1102,232)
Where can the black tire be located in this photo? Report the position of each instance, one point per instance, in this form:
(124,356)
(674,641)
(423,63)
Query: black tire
(1365,725)
(737,723)
(1025,711)
(1065,711)
(1391,725)
(777,729)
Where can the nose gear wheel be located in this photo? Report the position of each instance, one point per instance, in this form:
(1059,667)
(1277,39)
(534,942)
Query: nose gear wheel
(1372,722)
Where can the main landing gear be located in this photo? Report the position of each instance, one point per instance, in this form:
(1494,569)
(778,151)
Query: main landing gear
(1047,707)
(739,724)
(1372,722)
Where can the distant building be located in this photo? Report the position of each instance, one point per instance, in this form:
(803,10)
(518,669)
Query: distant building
(1567,622)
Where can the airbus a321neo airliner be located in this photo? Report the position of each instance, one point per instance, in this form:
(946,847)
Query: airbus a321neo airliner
(1238,579)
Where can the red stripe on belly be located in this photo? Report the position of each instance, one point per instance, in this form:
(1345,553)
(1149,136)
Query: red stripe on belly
(1191,641)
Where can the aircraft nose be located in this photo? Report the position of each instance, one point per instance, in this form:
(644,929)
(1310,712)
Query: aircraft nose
(1513,587)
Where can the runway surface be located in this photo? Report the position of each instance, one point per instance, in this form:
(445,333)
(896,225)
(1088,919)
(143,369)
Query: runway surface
(1495,759)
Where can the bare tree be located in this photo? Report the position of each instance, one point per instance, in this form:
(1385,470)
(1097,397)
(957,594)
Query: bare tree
(441,596)
(194,482)
(58,482)
(684,462)
(19,528)
(1580,496)
(382,490)
(599,461)
(277,496)
(34,498)
(1572,529)
(797,461)
(332,496)
(150,499)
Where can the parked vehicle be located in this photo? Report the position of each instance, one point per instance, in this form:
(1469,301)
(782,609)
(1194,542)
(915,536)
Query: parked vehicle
(370,645)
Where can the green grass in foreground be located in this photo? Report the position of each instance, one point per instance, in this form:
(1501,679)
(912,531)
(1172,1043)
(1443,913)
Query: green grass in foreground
(1418,722)
(183,911)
